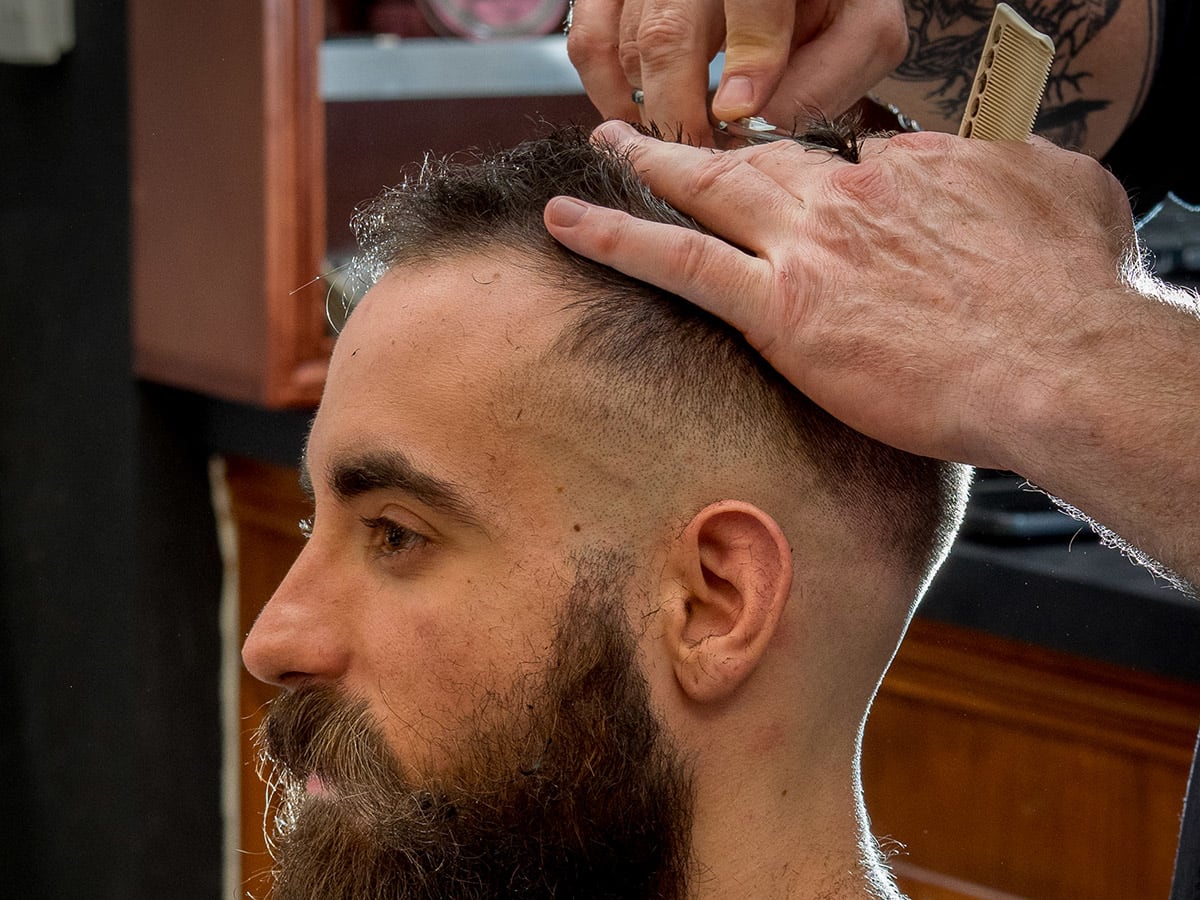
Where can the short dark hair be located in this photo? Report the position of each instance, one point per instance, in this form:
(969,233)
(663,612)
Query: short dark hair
(657,345)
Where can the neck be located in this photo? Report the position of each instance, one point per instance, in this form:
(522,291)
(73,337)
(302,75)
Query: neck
(802,834)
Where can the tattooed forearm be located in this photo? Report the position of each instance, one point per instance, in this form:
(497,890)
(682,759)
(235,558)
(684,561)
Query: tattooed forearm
(946,38)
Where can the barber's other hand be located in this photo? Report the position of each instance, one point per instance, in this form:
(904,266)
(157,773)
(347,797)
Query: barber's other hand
(782,57)
(930,296)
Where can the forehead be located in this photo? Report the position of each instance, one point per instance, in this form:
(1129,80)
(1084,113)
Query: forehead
(425,364)
(463,305)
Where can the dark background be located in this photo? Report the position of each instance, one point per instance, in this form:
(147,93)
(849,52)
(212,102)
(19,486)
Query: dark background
(109,570)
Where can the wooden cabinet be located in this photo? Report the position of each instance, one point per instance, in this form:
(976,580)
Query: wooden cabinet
(997,766)
(266,506)
(992,768)
(246,126)
(228,206)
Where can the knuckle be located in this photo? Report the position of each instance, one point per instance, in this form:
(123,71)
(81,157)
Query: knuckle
(609,241)
(692,257)
(936,142)
(780,315)
(713,169)
(586,48)
(608,237)
(1098,173)
(630,59)
(882,181)
(869,184)
(665,37)
(1118,197)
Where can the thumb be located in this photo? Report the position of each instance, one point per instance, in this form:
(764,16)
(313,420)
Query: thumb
(757,45)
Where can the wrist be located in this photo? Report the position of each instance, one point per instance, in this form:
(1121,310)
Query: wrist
(1076,393)
(1111,425)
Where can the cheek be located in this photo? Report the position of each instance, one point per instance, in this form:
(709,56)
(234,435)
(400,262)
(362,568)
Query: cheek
(425,673)
(431,669)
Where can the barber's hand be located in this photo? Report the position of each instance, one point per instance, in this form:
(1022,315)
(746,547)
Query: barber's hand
(782,57)
(916,295)
(955,298)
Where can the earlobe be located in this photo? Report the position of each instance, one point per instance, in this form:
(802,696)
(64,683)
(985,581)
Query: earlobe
(731,574)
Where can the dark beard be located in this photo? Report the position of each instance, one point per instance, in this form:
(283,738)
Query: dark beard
(578,793)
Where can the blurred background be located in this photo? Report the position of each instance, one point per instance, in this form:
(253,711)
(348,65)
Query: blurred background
(160,361)
(109,568)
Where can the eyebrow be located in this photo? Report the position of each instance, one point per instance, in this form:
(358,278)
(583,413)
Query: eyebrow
(353,475)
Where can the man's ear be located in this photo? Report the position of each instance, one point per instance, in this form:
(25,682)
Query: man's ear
(730,576)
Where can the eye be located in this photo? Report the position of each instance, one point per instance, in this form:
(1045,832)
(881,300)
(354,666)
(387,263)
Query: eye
(389,537)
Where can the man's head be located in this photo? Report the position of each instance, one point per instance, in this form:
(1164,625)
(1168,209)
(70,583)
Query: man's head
(499,416)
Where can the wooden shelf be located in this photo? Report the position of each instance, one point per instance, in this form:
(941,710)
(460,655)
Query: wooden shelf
(389,68)
(253,139)
(1026,771)
(228,216)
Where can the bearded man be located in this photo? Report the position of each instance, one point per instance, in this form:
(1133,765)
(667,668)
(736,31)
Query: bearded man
(594,603)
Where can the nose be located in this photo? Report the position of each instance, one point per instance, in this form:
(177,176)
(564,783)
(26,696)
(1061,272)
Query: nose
(301,634)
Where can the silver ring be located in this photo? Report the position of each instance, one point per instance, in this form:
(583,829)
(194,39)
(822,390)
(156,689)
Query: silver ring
(570,17)
(638,96)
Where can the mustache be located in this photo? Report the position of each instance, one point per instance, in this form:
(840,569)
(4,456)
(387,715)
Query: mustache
(319,731)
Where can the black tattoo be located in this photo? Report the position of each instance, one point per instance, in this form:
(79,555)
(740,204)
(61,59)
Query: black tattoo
(946,39)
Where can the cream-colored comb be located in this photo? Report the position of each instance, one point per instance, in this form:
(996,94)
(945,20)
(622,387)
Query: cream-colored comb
(1010,80)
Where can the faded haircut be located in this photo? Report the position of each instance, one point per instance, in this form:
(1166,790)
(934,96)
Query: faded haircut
(652,347)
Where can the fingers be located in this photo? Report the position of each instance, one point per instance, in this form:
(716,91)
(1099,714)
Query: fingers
(841,61)
(665,49)
(757,43)
(752,197)
(627,41)
(706,270)
(592,46)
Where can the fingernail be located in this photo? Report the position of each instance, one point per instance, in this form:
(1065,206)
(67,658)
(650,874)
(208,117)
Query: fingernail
(565,211)
(736,95)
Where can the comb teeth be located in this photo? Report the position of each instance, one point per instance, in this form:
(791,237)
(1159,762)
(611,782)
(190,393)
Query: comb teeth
(1010,80)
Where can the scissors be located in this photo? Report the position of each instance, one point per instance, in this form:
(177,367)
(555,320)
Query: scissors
(754,130)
